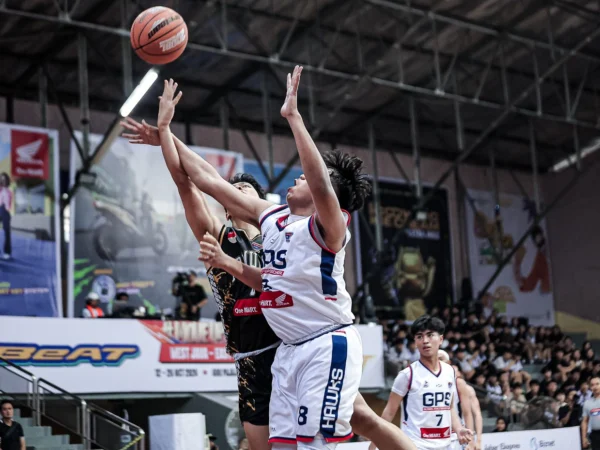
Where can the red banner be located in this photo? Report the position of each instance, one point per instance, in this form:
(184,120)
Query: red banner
(194,353)
(29,155)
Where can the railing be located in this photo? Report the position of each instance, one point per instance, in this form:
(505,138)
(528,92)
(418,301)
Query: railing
(97,427)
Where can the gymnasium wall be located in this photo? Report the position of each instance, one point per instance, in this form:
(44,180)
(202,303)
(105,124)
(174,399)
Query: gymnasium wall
(573,227)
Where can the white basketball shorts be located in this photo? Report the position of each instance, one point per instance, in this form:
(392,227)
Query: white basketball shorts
(314,387)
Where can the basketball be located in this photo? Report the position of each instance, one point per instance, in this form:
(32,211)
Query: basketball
(159,35)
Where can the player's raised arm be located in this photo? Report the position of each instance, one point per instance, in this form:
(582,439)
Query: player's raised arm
(329,216)
(202,174)
(197,212)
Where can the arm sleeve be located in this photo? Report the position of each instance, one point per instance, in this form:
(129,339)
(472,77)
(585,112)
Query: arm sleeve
(20,431)
(401,383)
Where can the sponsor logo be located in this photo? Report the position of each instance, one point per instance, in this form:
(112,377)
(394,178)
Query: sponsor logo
(449,385)
(435,433)
(275,272)
(502,446)
(159,25)
(193,353)
(232,237)
(275,300)
(64,355)
(247,307)
(536,444)
(288,236)
(436,401)
(29,154)
(171,43)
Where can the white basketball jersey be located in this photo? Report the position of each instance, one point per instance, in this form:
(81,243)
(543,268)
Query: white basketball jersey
(304,292)
(426,405)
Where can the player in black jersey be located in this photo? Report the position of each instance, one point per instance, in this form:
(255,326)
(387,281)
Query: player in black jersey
(250,340)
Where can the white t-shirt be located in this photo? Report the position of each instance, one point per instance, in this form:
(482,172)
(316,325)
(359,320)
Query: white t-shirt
(427,402)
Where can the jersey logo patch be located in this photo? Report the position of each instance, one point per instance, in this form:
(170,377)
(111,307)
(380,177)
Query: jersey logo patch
(247,307)
(276,299)
(435,433)
(288,236)
(232,237)
(595,412)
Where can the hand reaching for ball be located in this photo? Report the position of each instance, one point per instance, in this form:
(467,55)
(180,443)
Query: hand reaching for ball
(141,133)
(166,106)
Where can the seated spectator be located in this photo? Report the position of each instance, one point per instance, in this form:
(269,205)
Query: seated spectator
(516,401)
(411,354)
(569,412)
(92,308)
(464,364)
(547,378)
(551,389)
(500,425)
(534,390)
(394,358)
(494,389)
(584,393)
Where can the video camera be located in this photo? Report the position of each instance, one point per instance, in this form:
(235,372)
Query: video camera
(179,283)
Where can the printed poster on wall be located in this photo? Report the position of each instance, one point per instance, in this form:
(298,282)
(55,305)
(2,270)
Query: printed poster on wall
(143,355)
(524,287)
(129,232)
(417,273)
(29,222)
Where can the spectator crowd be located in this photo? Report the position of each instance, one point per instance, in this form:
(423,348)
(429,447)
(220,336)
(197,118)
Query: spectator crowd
(492,352)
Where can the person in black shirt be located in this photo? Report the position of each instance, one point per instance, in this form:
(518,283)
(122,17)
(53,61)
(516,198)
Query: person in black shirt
(11,432)
(194,298)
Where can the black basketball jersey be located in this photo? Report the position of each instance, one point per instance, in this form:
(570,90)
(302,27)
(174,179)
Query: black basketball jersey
(246,329)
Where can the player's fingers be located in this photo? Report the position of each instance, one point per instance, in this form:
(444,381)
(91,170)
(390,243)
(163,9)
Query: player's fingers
(178,97)
(210,238)
(131,135)
(136,141)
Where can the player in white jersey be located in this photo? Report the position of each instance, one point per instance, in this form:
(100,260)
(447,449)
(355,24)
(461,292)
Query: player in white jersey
(426,390)
(317,371)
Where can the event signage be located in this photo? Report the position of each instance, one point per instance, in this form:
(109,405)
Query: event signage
(523,288)
(127,355)
(29,222)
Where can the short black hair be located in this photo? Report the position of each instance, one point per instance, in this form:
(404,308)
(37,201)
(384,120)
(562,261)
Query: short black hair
(6,401)
(247,178)
(4,174)
(534,383)
(350,183)
(427,322)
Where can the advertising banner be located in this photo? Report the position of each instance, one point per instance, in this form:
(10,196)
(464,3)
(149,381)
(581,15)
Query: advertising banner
(524,286)
(29,222)
(553,439)
(126,355)
(417,274)
(129,232)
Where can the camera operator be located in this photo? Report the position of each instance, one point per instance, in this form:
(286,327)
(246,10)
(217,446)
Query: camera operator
(193,297)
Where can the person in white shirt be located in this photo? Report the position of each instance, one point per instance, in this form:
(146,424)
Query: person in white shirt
(427,391)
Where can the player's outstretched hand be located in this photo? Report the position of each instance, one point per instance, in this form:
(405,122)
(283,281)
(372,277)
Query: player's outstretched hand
(141,133)
(211,252)
(290,106)
(166,106)
(465,436)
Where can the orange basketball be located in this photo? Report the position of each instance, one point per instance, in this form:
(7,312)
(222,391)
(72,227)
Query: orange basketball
(159,35)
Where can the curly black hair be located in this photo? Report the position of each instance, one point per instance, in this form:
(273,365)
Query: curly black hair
(247,178)
(350,183)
